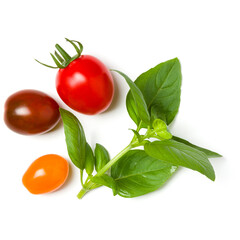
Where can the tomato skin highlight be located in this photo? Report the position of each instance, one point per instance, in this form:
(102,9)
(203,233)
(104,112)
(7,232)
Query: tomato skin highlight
(46,174)
(86,85)
(30,112)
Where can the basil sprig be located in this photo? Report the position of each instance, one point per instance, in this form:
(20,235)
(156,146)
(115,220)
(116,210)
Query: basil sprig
(152,103)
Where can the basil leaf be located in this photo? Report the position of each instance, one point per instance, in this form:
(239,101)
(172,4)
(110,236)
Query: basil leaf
(106,181)
(209,153)
(132,109)
(102,157)
(137,174)
(161,88)
(75,138)
(180,154)
(137,135)
(161,130)
(89,160)
(141,109)
(159,125)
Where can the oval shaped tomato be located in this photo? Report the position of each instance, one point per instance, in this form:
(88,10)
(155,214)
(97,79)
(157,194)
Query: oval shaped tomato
(31,112)
(85,85)
(46,174)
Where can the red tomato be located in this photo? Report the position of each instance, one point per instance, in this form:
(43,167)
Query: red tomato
(46,174)
(85,85)
(31,112)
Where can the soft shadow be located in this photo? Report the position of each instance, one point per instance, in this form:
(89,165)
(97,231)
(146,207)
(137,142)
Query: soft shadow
(116,96)
(58,126)
(70,174)
(172,124)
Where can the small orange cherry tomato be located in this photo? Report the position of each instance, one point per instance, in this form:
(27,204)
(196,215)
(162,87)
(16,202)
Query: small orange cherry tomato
(46,174)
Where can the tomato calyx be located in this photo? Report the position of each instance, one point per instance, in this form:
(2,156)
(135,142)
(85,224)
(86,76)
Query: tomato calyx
(63,60)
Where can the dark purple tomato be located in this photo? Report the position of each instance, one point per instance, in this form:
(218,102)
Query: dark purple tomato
(31,112)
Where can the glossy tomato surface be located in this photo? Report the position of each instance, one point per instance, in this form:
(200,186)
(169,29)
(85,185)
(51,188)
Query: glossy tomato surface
(31,112)
(86,85)
(46,174)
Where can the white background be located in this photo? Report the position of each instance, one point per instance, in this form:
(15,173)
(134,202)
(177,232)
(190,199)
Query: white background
(131,36)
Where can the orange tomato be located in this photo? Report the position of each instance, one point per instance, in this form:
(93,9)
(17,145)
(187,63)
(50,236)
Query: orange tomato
(46,174)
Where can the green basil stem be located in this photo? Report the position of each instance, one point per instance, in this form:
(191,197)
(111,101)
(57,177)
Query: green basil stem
(115,159)
(87,187)
(139,126)
(90,185)
(81,176)
(137,130)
